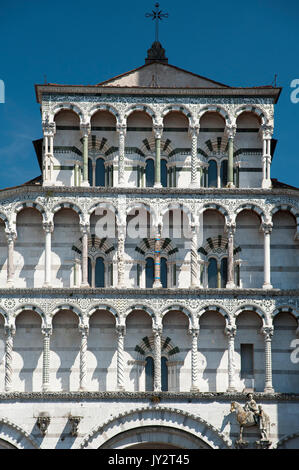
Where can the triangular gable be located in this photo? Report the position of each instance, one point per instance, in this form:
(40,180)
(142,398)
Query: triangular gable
(161,76)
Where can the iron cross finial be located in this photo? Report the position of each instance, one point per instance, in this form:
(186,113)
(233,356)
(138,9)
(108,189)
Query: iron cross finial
(157,15)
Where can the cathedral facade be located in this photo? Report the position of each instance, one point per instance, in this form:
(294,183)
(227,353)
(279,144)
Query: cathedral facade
(149,278)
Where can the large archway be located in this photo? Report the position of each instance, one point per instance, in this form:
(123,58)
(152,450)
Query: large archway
(152,426)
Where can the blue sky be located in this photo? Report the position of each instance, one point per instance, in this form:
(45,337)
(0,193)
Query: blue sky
(75,42)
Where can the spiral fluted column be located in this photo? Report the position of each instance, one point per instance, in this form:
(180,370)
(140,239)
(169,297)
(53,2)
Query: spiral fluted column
(230,332)
(193,131)
(46,359)
(121,129)
(194,260)
(157,332)
(11,237)
(121,331)
(83,360)
(267,332)
(194,359)
(9,336)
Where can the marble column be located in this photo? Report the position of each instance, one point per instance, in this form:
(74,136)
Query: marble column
(157,332)
(11,237)
(267,132)
(230,332)
(230,261)
(120,257)
(158,130)
(46,358)
(85,233)
(194,260)
(121,331)
(83,360)
(49,129)
(85,130)
(194,359)
(157,261)
(267,228)
(121,129)
(231,132)
(48,229)
(193,131)
(9,336)
(267,332)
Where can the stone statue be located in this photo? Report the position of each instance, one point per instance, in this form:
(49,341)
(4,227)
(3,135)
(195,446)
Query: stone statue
(249,415)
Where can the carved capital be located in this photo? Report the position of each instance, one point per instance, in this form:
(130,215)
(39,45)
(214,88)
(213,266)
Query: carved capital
(48,227)
(85,129)
(230,131)
(230,331)
(121,330)
(267,227)
(10,236)
(47,330)
(43,422)
(158,131)
(267,332)
(267,131)
(84,228)
(193,131)
(121,129)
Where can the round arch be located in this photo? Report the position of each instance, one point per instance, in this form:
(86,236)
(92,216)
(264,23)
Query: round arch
(185,209)
(29,205)
(32,308)
(144,308)
(67,205)
(286,309)
(215,308)
(104,107)
(217,207)
(67,107)
(255,309)
(215,109)
(252,109)
(284,207)
(196,428)
(181,109)
(250,207)
(180,308)
(105,307)
(4,314)
(140,107)
(70,307)
(16,436)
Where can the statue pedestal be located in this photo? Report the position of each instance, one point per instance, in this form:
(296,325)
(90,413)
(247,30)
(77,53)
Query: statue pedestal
(263,444)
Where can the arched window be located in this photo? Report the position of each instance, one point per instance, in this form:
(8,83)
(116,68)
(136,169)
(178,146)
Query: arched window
(89,272)
(164,374)
(149,374)
(100,172)
(163,173)
(163,272)
(223,272)
(223,173)
(150,173)
(99,273)
(212,174)
(149,272)
(212,273)
(90,176)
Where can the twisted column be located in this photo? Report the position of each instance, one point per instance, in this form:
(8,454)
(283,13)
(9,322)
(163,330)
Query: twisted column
(157,332)
(48,229)
(230,261)
(267,132)
(193,131)
(46,358)
(83,360)
(267,332)
(85,130)
(85,232)
(267,229)
(231,132)
(121,331)
(11,237)
(230,332)
(157,261)
(194,260)
(194,359)
(122,129)
(120,257)
(9,335)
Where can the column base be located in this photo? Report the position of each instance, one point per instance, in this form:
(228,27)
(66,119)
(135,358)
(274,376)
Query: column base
(85,184)
(121,286)
(158,185)
(194,185)
(267,286)
(231,389)
(46,388)
(9,283)
(85,285)
(47,284)
(194,389)
(230,185)
(266,184)
(230,285)
(157,285)
(269,390)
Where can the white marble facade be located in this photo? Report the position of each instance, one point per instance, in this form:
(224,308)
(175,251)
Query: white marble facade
(74,338)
